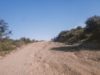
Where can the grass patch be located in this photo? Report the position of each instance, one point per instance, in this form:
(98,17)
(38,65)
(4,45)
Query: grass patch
(8,45)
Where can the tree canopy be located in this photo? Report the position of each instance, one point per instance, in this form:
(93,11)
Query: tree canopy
(93,24)
(91,32)
(4,31)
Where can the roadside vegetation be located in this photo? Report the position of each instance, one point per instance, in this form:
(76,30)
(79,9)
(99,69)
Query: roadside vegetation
(83,41)
(89,34)
(6,43)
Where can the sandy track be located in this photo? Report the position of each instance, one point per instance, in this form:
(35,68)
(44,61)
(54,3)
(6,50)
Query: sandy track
(39,59)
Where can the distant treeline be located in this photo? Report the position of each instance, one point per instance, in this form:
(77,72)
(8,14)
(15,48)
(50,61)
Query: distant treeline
(89,33)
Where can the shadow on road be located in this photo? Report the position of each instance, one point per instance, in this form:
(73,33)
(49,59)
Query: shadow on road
(74,48)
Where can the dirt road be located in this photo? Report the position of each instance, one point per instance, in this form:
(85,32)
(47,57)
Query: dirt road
(40,59)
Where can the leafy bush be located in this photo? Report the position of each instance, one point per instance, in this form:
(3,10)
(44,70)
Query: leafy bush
(7,45)
(72,36)
(22,41)
(89,33)
(93,28)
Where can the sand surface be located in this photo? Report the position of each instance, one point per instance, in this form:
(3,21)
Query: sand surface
(40,59)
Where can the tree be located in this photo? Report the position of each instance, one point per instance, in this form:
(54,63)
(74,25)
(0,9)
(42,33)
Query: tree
(93,24)
(93,27)
(4,31)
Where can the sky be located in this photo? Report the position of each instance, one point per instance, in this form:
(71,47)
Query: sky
(44,19)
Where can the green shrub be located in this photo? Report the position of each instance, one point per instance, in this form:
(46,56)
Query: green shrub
(90,33)
(72,36)
(7,45)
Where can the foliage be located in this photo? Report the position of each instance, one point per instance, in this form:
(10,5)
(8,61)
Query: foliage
(22,41)
(93,28)
(93,24)
(4,31)
(7,44)
(89,33)
(72,36)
